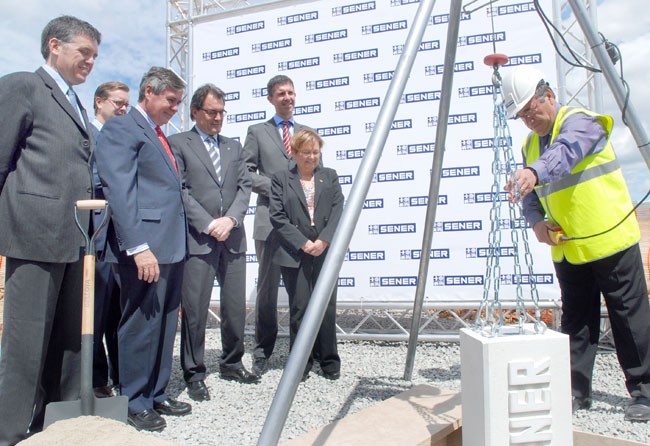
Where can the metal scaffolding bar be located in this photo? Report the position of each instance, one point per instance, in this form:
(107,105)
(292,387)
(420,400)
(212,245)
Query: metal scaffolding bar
(293,371)
(436,174)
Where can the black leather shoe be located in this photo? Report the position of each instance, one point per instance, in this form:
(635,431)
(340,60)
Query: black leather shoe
(305,376)
(639,410)
(332,376)
(147,420)
(198,391)
(260,366)
(240,375)
(172,407)
(580,404)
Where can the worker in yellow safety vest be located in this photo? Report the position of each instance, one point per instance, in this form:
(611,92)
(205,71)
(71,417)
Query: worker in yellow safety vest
(575,198)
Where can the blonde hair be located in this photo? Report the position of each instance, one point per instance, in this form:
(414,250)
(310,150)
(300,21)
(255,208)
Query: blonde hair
(304,136)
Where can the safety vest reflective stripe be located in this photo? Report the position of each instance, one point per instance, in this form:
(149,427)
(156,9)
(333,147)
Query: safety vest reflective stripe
(577,178)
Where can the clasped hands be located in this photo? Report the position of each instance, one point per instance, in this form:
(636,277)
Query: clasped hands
(220,228)
(315,248)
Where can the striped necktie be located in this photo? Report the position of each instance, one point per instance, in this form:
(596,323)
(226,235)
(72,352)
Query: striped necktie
(286,137)
(72,97)
(213,151)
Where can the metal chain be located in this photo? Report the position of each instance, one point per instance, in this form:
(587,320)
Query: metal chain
(490,315)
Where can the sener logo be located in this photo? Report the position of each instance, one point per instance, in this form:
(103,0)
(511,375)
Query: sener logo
(362,256)
(462,225)
(391,281)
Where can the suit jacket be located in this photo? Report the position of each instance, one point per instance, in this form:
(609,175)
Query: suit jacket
(143,190)
(265,155)
(45,151)
(290,215)
(205,197)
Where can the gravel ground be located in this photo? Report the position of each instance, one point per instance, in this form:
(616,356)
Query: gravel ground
(371,372)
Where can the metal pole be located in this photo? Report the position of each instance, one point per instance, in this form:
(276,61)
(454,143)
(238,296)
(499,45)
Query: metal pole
(615,84)
(434,185)
(281,404)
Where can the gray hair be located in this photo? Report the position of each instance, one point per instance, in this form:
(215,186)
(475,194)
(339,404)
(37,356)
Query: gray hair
(65,29)
(159,78)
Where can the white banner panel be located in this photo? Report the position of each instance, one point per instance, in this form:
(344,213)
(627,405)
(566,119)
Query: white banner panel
(341,56)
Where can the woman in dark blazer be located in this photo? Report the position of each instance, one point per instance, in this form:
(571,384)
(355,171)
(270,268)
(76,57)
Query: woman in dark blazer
(305,207)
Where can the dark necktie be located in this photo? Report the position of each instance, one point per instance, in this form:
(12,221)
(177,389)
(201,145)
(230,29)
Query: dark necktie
(286,137)
(165,144)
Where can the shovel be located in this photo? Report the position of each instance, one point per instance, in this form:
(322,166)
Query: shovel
(115,408)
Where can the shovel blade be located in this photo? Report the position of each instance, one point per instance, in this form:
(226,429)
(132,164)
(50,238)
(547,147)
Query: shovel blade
(114,408)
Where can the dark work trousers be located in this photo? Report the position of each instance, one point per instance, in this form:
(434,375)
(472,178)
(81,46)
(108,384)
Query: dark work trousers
(41,343)
(199,275)
(266,304)
(621,280)
(300,283)
(107,319)
(147,333)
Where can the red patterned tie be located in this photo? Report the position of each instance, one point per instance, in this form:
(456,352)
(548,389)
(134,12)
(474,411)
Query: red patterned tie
(286,137)
(163,141)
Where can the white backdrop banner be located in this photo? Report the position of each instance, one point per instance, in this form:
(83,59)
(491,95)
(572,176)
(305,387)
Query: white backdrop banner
(341,56)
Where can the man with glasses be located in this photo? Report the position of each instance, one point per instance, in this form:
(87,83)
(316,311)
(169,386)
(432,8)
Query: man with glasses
(217,188)
(111,99)
(575,198)
(45,152)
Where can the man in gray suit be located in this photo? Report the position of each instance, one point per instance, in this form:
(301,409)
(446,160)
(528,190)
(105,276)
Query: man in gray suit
(268,151)
(111,99)
(45,152)
(217,188)
(147,244)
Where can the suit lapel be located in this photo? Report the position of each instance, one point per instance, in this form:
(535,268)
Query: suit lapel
(226,157)
(294,183)
(63,101)
(274,134)
(153,137)
(319,184)
(197,145)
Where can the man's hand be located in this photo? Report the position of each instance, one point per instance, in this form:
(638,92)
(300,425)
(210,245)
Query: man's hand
(526,179)
(541,229)
(220,228)
(315,248)
(147,264)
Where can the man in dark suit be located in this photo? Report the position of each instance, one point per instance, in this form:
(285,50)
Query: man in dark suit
(45,153)
(111,99)
(147,243)
(268,151)
(216,194)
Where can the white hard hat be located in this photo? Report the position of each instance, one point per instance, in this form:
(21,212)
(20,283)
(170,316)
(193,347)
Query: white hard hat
(519,87)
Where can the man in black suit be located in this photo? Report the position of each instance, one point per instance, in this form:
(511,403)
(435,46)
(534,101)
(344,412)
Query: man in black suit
(146,243)
(216,194)
(45,153)
(268,151)
(111,99)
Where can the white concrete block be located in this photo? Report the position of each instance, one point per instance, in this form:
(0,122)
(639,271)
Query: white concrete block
(516,388)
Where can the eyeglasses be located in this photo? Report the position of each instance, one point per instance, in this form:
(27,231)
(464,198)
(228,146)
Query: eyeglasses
(529,110)
(308,154)
(118,104)
(214,113)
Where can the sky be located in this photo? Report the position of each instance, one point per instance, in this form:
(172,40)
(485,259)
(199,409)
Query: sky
(134,39)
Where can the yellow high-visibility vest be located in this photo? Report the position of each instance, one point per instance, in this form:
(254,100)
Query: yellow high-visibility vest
(591,199)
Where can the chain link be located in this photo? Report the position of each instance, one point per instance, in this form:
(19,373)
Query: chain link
(489,319)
